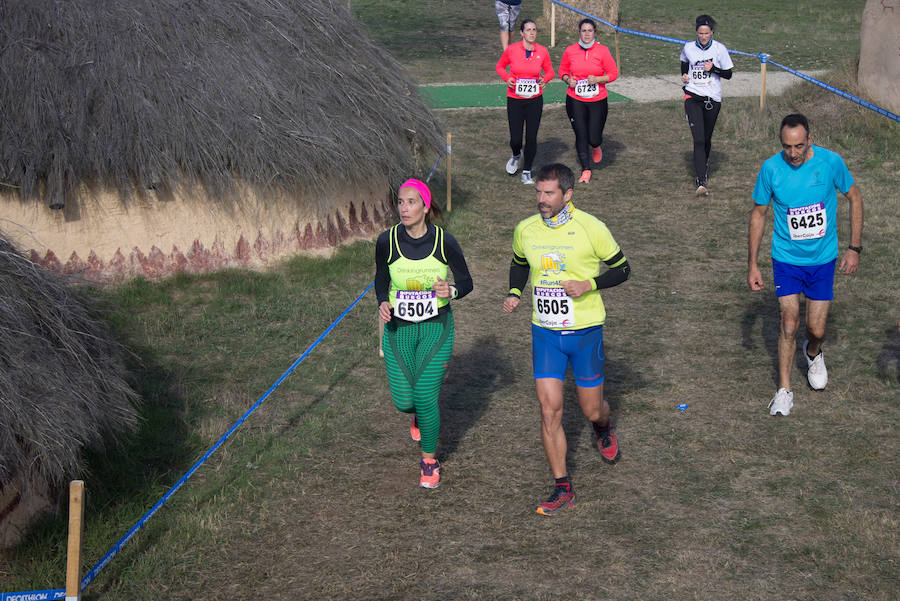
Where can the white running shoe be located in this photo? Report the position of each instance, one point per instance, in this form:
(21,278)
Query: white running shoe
(526,178)
(816,372)
(702,189)
(512,165)
(781,402)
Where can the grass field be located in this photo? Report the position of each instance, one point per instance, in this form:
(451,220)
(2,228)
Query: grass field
(458,41)
(315,496)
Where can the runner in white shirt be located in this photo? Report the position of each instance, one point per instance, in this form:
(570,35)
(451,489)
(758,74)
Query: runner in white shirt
(704,63)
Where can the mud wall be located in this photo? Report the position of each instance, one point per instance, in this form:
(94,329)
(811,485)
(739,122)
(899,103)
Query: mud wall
(105,239)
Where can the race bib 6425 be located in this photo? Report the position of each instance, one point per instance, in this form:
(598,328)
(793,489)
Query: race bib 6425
(807,223)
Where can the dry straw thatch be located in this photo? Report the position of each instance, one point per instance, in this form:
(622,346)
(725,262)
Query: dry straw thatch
(62,379)
(135,93)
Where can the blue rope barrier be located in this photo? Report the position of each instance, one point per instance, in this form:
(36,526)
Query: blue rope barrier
(434,168)
(447,150)
(89,577)
(762,56)
(864,103)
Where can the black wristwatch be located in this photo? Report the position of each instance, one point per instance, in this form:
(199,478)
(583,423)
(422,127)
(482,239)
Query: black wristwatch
(858,249)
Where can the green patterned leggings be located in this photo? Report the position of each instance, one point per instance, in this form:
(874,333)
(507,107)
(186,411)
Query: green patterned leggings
(416,355)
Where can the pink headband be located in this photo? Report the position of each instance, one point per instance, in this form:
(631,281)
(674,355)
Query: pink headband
(422,188)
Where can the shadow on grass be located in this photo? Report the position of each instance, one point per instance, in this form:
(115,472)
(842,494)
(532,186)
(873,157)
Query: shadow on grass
(762,308)
(612,148)
(159,453)
(558,150)
(890,356)
(471,380)
(551,150)
(619,379)
(716,160)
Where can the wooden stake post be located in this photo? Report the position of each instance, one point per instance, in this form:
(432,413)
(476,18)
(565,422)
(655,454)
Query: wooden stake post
(449,170)
(762,89)
(380,334)
(553,25)
(76,529)
(618,60)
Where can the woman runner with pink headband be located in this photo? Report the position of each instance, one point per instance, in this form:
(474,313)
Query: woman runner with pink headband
(413,260)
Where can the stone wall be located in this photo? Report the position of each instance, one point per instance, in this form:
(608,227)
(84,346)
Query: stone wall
(879,53)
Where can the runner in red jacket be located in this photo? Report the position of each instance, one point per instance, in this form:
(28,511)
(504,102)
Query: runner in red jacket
(529,70)
(586,67)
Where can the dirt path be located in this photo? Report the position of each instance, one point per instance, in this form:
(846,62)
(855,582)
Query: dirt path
(652,88)
(666,87)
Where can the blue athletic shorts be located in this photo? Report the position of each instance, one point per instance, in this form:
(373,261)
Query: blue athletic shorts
(816,282)
(552,351)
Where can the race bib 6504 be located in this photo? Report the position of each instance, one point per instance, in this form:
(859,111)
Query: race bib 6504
(416,305)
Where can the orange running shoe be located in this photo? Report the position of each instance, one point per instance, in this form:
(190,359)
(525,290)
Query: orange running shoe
(430,473)
(597,155)
(563,496)
(585,177)
(414,431)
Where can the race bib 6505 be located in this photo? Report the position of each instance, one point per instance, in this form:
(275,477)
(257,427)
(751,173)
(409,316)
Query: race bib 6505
(553,307)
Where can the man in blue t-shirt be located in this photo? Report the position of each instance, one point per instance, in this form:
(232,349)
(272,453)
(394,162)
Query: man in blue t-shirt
(800,183)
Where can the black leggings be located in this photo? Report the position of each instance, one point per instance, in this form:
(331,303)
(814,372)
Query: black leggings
(525,113)
(702,121)
(588,120)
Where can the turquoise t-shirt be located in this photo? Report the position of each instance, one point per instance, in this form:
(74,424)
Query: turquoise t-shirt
(804,201)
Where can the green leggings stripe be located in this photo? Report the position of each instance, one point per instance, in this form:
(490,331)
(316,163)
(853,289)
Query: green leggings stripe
(416,356)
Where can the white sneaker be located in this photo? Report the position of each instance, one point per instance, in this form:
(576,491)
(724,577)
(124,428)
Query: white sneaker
(781,402)
(526,178)
(816,372)
(512,165)
(702,190)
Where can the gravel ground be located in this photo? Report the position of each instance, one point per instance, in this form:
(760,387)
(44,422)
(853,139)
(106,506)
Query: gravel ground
(667,87)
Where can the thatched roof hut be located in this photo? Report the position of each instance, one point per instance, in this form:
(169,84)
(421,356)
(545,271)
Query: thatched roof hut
(62,387)
(146,136)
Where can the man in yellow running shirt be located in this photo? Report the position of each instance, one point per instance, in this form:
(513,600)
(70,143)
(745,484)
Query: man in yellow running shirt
(562,247)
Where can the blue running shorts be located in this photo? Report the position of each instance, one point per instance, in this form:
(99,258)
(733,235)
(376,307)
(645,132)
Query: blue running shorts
(816,282)
(552,351)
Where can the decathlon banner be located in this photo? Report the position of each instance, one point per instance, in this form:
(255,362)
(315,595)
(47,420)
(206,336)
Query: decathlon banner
(34,595)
